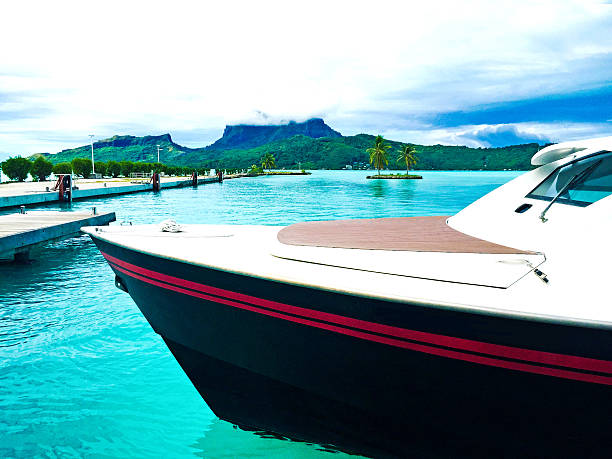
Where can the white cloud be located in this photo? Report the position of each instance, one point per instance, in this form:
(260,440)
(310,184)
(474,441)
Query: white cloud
(72,68)
(482,135)
(502,135)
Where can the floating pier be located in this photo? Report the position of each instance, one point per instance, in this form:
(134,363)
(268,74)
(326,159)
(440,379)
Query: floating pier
(22,232)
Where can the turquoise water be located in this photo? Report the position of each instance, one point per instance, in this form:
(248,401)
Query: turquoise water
(81,372)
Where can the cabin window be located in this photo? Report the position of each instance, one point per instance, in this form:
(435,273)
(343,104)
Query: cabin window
(592,181)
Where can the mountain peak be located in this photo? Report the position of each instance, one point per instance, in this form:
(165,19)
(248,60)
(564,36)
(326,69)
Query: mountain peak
(251,135)
(127,140)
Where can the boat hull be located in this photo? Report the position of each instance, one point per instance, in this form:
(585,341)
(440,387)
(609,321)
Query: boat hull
(372,376)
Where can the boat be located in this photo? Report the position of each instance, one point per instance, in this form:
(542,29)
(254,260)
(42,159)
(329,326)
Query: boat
(486,332)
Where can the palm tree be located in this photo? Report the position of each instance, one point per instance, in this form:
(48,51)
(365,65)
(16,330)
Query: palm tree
(378,153)
(407,155)
(268,161)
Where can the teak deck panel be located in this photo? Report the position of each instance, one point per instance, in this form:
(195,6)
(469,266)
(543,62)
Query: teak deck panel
(417,234)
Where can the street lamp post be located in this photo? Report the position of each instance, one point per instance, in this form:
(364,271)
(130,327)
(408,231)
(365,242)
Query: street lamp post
(158,148)
(93,167)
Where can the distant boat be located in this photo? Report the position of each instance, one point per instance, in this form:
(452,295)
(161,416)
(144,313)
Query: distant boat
(485,333)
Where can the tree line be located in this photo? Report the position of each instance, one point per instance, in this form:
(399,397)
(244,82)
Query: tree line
(82,166)
(18,168)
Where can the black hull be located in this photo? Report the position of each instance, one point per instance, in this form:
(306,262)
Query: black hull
(256,402)
(372,376)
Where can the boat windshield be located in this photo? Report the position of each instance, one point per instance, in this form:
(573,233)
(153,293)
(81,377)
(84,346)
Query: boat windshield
(595,184)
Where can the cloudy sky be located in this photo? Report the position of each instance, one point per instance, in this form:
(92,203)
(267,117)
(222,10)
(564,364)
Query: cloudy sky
(471,73)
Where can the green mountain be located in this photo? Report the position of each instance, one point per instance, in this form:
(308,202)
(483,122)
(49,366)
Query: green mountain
(308,145)
(125,148)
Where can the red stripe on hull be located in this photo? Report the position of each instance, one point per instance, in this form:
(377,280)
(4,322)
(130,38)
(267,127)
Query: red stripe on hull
(559,373)
(547,358)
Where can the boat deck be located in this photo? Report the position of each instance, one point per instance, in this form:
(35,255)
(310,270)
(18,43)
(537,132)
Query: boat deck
(415,234)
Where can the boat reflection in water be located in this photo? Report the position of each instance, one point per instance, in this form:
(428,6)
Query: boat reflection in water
(222,437)
(486,332)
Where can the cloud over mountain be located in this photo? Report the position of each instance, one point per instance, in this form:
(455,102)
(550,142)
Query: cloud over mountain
(500,136)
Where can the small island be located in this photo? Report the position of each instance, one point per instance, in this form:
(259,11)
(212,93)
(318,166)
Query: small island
(378,157)
(269,162)
(287,173)
(395,176)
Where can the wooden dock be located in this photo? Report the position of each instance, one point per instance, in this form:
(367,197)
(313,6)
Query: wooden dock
(21,232)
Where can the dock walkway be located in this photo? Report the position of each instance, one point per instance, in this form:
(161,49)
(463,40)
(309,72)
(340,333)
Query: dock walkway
(21,232)
(37,193)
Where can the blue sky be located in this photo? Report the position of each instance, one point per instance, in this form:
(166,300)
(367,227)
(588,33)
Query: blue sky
(471,73)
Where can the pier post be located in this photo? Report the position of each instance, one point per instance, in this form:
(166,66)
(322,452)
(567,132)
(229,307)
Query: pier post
(155,181)
(23,256)
(64,187)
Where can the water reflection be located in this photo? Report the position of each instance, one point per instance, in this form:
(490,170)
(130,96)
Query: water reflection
(406,191)
(31,303)
(378,188)
(224,439)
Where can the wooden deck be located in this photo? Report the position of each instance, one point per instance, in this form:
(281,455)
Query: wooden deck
(20,233)
(416,234)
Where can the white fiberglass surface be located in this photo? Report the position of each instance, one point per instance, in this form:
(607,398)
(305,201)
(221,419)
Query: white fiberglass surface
(494,270)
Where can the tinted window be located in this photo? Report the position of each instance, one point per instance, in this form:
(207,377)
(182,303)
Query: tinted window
(594,184)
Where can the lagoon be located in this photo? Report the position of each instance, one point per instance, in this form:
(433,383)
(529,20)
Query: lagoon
(82,374)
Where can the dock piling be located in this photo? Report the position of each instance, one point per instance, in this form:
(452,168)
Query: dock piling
(156,182)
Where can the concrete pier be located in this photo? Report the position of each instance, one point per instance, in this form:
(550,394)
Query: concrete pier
(35,193)
(22,232)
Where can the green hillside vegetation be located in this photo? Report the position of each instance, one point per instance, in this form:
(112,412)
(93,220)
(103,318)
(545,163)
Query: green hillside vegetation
(336,153)
(301,152)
